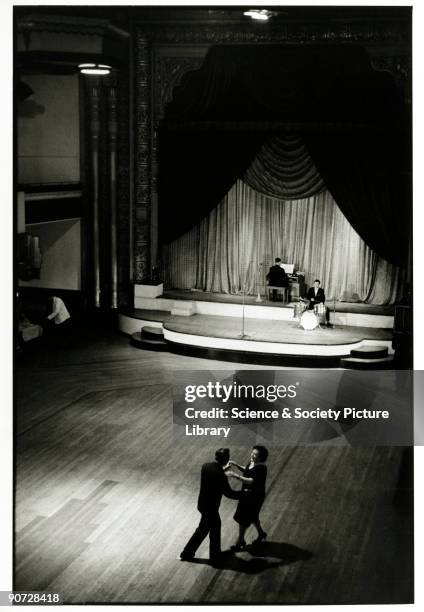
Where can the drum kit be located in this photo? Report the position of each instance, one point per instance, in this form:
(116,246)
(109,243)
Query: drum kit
(309,319)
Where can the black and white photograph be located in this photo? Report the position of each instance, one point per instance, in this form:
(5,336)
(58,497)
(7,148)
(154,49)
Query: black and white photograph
(213,361)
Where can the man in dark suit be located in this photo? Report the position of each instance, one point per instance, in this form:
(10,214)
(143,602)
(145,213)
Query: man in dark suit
(316,295)
(277,277)
(213,485)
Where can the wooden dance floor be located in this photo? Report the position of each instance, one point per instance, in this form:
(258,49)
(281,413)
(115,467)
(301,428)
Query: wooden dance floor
(106,499)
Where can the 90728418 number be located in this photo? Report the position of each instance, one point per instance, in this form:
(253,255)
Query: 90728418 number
(31,598)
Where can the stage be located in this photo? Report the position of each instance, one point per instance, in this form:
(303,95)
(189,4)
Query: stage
(227,298)
(210,324)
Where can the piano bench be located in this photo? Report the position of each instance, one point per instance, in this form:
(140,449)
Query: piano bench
(278,294)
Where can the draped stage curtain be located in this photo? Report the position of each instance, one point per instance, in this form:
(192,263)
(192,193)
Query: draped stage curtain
(350,119)
(196,170)
(222,253)
(283,168)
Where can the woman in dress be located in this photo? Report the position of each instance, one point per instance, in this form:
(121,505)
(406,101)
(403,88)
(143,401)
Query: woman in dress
(252,494)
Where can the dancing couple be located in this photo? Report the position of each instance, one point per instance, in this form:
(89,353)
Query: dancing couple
(213,485)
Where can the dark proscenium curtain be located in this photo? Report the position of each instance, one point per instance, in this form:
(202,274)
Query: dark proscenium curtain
(367,174)
(196,170)
(349,116)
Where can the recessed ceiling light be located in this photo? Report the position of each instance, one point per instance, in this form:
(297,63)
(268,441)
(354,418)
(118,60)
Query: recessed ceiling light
(95,69)
(259,14)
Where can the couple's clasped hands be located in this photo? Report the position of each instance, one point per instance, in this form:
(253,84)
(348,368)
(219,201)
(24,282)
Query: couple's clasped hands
(229,472)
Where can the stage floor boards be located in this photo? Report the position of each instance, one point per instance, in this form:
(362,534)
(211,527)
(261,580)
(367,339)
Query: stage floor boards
(266,330)
(105,499)
(207,296)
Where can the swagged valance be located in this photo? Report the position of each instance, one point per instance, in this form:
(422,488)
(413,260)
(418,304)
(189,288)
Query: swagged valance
(256,111)
(283,169)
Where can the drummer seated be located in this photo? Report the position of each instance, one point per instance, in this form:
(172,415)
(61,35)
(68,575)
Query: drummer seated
(315,296)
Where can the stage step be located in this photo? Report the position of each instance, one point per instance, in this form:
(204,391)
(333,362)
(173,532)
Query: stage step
(152,333)
(150,344)
(370,352)
(361,363)
(184,308)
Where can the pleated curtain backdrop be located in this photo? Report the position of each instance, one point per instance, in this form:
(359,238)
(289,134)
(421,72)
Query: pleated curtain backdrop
(233,247)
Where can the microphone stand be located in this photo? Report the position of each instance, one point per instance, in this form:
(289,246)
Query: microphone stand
(242,317)
(243,335)
(259,299)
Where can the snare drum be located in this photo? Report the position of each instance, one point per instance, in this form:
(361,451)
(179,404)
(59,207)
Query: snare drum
(298,309)
(319,310)
(309,320)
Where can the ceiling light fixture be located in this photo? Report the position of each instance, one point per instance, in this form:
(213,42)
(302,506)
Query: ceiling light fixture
(95,69)
(259,14)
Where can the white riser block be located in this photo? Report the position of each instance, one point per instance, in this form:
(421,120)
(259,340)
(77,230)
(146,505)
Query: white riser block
(148,291)
(154,303)
(356,319)
(184,309)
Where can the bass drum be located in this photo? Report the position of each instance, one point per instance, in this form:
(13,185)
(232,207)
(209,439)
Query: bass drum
(309,320)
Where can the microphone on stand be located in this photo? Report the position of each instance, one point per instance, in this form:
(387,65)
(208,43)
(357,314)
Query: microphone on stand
(259,299)
(243,286)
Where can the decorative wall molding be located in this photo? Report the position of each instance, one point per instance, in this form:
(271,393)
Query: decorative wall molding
(94,98)
(400,67)
(62,24)
(112,98)
(168,73)
(123,189)
(311,31)
(143,148)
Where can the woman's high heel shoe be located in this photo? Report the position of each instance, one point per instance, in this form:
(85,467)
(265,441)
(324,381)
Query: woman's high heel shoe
(260,538)
(238,546)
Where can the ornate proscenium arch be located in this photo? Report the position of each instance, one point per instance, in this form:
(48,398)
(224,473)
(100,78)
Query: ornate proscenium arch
(349,116)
